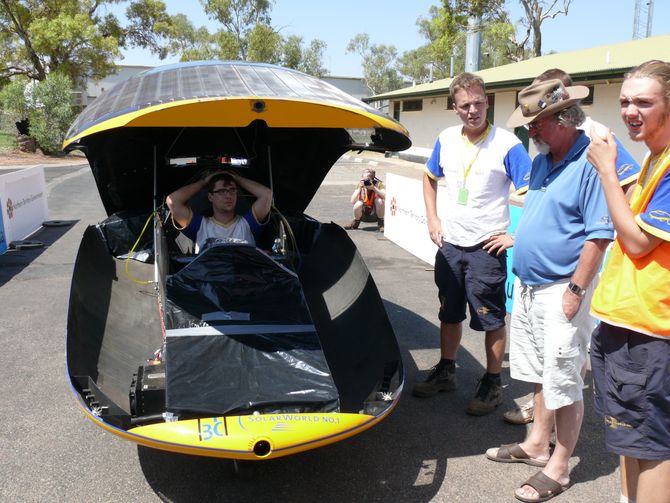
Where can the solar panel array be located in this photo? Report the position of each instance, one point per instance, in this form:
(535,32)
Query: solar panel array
(208,79)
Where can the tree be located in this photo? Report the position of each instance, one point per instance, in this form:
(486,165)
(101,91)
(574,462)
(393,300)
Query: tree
(312,59)
(13,101)
(378,63)
(538,11)
(417,64)
(248,35)
(47,105)
(74,38)
(265,45)
(239,18)
(51,112)
(307,60)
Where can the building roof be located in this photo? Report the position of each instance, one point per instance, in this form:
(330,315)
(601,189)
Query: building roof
(602,62)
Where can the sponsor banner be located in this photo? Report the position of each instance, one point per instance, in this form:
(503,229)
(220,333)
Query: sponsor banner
(405,217)
(3,241)
(406,225)
(24,202)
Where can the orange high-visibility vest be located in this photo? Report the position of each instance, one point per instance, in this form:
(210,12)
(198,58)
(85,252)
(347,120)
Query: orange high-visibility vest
(368,199)
(634,293)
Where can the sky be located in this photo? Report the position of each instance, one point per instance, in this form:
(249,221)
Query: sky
(589,23)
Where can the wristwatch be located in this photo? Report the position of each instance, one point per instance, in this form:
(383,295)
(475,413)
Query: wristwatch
(576,289)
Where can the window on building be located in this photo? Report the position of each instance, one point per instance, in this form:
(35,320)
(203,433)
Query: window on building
(589,99)
(396,110)
(412,105)
(490,112)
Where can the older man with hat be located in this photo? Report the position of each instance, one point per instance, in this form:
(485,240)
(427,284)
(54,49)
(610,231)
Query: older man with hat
(560,240)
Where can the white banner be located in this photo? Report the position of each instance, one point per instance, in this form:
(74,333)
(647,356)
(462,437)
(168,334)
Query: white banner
(405,217)
(3,241)
(406,226)
(24,202)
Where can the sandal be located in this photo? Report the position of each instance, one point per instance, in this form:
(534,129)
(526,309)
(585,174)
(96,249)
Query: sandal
(513,453)
(546,488)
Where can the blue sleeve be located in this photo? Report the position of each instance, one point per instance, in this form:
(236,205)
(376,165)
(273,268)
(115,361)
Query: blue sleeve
(626,168)
(191,230)
(255,227)
(656,218)
(433,165)
(597,220)
(517,166)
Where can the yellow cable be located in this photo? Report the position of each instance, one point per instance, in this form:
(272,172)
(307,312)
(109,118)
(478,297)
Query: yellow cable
(130,254)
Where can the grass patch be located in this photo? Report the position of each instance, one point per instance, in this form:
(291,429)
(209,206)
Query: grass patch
(7,141)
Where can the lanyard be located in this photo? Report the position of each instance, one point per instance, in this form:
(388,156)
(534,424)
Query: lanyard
(477,143)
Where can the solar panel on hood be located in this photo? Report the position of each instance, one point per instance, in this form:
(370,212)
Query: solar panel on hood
(210,79)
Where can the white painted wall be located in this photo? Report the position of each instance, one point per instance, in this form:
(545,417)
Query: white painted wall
(95,88)
(504,106)
(425,125)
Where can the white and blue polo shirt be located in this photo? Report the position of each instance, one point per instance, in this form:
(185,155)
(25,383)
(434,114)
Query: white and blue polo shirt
(501,161)
(243,228)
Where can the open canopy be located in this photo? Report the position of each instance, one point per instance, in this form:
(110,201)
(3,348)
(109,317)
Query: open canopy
(271,116)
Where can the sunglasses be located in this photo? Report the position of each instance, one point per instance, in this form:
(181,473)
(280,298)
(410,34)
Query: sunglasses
(536,127)
(229,191)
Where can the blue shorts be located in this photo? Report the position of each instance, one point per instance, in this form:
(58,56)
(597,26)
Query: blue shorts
(631,373)
(470,275)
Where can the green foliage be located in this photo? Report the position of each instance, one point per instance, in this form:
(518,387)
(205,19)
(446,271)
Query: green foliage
(307,60)
(13,101)
(41,36)
(264,45)
(52,113)
(246,34)
(7,140)
(312,58)
(78,38)
(239,18)
(379,62)
(445,30)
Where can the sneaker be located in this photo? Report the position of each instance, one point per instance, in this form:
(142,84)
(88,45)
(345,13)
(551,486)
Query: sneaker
(353,225)
(521,415)
(380,225)
(487,398)
(441,378)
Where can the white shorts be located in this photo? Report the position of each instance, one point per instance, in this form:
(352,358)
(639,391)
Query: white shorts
(545,347)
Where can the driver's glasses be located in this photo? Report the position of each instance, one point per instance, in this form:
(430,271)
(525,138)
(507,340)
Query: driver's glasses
(225,192)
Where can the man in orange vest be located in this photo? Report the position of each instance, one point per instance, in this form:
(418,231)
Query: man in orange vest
(630,349)
(368,200)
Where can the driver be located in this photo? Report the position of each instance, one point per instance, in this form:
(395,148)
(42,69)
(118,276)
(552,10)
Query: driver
(224,223)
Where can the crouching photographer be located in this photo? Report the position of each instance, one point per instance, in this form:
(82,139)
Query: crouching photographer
(368,201)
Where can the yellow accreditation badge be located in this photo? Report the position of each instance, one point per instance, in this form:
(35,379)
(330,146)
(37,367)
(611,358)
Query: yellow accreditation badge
(463,192)
(462,196)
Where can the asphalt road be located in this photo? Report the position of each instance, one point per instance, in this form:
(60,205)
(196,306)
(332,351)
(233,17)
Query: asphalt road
(426,450)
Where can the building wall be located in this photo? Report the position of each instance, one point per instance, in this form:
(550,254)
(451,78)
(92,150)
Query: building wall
(351,85)
(96,88)
(425,125)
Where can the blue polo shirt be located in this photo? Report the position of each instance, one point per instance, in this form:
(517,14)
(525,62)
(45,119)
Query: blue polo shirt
(564,207)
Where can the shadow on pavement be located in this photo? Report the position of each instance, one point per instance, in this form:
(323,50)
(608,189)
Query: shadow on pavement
(12,262)
(404,458)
